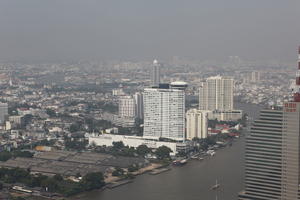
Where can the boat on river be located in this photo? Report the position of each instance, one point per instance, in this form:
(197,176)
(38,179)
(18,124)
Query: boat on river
(216,186)
(179,162)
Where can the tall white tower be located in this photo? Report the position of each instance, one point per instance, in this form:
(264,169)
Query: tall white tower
(155,73)
(164,112)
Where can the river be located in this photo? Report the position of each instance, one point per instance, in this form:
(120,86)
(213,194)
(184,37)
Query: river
(190,182)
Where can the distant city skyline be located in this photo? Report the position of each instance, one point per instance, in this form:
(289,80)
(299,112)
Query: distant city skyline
(142,30)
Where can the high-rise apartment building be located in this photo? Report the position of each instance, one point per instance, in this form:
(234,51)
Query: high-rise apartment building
(155,73)
(196,124)
(139,105)
(164,112)
(3,112)
(127,107)
(216,93)
(255,76)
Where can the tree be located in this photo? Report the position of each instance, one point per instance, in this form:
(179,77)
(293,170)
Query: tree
(118,145)
(36,181)
(196,139)
(26,154)
(74,127)
(50,184)
(142,150)
(118,172)
(94,180)
(133,168)
(243,121)
(19,198)
(210,140)
(212,123)
(58,177)
(163,152)
(5,155)
(50,112)
(27,119)
(75,144)
(125,131)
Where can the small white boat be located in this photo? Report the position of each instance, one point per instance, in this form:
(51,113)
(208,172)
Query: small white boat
(216,186)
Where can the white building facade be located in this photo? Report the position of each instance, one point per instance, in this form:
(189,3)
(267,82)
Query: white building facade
(135,141)
(3,112)
(196,124)
(126,106)
(139,105)
(216,93)
(164,113)
(155,73)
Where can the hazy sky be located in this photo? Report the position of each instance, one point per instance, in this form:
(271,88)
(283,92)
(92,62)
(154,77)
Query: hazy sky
(144,29)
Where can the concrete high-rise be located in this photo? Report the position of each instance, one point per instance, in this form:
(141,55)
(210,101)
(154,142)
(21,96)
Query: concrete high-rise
(273,153)
(155,73)
(164,112)
(127,107)
(139,105)
(255,76)
(216,93)
(196,124)
(3,112)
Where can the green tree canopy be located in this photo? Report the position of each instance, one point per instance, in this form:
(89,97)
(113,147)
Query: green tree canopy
(118,145)
(163,152)
(50,112)
(94,180)
(118,172)
(142,150)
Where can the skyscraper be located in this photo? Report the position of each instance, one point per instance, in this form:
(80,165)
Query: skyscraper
(216,93)
(273,153)
(155,74)
(196,124)
(164,112)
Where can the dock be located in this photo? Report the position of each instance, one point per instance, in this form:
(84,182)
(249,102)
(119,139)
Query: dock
(117,184)
(158,171)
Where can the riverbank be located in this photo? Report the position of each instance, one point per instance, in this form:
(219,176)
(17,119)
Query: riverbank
(192,181)
(165,183)
(114,179)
